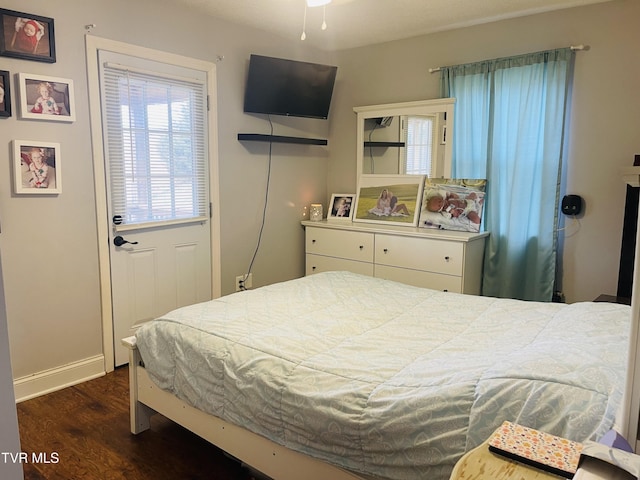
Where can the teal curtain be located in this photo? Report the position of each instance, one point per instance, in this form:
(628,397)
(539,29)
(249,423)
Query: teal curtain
(509,126)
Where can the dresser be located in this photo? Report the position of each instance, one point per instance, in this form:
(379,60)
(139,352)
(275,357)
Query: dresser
(437,259)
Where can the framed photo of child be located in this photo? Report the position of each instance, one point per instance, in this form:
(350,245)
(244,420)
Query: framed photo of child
(27,36)
(341,207)
(5,94)
(452,204)
(46,98)
(36,167)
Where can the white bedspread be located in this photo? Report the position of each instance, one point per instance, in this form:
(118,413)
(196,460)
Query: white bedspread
(391,380)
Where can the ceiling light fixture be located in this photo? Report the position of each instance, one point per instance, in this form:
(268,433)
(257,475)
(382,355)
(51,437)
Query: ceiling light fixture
(313,4)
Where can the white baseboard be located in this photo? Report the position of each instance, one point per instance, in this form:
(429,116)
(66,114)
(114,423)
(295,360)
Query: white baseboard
(58,378)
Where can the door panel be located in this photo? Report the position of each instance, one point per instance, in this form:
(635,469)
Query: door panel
(160,273)
(187,274)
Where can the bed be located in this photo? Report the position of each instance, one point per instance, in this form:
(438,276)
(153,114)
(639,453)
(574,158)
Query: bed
(345,376)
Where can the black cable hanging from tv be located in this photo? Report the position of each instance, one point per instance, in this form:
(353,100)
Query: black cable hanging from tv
(264,209)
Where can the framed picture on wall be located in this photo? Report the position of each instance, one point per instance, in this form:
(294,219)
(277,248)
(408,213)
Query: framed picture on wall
(341,207)
(46,98)
(5,94)
(27,36)
(36,167)
(389,199)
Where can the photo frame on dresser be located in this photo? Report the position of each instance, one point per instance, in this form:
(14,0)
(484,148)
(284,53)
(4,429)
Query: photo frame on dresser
(341,207)
(389,199)
(27,36)
(452,204)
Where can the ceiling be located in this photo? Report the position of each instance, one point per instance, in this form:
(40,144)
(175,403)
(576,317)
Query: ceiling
(356,23)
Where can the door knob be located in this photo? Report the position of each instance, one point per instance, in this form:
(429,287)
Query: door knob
(119,241)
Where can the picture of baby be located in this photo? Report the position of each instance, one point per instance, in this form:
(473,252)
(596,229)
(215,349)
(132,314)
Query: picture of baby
(452,204)
(27,36)
(46,98)
(38,167)
(45,103)
(341,207)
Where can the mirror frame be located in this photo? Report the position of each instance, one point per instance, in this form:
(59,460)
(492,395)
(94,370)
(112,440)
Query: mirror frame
(420,107)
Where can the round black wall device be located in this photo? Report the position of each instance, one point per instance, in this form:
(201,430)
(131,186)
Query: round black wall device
(571,204)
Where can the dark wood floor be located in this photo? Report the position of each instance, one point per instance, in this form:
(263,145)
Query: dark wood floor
(86,427)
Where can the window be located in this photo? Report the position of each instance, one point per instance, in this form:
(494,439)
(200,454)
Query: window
(156,145)
(418,136)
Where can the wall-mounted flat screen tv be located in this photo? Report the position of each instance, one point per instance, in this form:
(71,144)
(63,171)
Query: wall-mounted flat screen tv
(277,86)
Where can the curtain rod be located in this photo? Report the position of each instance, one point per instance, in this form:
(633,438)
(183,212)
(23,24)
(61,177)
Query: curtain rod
(572,47)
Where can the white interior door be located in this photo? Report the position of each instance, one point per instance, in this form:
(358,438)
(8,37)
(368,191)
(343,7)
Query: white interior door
(155,136)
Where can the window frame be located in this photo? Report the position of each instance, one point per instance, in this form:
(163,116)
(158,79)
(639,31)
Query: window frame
(431,145)
(118,137)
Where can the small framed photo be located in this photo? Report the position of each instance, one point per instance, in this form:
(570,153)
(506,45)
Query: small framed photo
(389,199)
(5,94)
(27,36)
(341,207)
(36,167)
(46,98)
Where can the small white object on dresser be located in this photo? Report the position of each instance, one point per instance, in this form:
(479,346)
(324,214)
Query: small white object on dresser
(437,259)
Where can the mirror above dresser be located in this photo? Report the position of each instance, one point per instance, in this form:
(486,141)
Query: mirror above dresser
(405,138)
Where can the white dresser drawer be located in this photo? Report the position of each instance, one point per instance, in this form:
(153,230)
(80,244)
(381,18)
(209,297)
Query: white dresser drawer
(340,243)
(320,263)
(445,261)
(420,254)
(419,278)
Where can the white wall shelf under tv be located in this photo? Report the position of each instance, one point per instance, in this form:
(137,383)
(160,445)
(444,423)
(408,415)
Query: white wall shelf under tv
(259,137)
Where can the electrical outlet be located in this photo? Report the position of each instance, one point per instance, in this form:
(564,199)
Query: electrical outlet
(244,282)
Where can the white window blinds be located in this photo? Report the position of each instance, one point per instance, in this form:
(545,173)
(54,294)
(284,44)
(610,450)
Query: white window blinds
(419,137)
(155,146)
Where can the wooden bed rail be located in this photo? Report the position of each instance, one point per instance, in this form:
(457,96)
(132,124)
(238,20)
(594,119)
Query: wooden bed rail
(139,413)
(270,458)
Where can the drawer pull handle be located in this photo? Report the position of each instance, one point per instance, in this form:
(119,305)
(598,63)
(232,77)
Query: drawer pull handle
(313,268)
(313,241)
(446,259)
(385,250)
(445,290)
(361,247)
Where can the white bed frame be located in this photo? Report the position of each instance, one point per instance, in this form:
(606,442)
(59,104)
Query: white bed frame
(267,457)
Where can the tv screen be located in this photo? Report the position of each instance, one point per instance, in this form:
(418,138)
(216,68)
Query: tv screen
(278,86)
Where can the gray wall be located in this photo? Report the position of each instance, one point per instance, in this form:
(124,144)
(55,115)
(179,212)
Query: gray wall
(605,115)
(50,244)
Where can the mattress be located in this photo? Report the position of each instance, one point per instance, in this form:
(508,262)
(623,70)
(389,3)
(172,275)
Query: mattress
(389,380)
